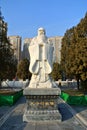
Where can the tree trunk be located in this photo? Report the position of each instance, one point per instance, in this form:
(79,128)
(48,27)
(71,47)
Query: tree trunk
(78,83)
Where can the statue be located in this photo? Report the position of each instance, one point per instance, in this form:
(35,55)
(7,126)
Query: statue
(41,64)
(42,93)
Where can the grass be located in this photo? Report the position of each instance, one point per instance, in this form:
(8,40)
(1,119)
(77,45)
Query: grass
(7,92)
(74,92)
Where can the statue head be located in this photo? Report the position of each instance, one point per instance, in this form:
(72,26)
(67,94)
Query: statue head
(41,31)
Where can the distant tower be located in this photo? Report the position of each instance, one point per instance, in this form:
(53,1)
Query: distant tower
(57,42)
(3,28)
(25,48)
(16,46)
(1,17)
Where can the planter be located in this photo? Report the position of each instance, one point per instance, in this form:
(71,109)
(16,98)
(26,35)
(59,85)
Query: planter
(74,100)
(10,99)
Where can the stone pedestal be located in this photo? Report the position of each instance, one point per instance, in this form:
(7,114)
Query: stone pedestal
(42,104)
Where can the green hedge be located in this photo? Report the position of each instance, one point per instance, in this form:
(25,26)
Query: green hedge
(10,99)
(74,100)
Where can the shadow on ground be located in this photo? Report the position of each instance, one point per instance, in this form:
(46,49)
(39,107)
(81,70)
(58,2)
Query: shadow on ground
(65,113)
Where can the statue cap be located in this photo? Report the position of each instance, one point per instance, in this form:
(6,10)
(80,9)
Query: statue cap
(41,29)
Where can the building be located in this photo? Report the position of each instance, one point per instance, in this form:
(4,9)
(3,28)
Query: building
(56,41)
(25,48)
(16,46)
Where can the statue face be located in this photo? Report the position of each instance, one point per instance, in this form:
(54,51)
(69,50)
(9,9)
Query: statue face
(41,31)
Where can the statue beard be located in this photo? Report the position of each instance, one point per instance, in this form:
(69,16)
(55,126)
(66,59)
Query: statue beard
(42,38)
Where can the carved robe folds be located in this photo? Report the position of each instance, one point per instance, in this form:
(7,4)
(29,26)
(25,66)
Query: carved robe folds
(41,56)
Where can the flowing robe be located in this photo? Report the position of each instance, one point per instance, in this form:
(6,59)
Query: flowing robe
(41,64)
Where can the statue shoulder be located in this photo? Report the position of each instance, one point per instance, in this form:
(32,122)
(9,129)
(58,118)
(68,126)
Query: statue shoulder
(33,41)
(50,42)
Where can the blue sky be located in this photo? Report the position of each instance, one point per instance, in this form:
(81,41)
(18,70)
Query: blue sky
(24,17)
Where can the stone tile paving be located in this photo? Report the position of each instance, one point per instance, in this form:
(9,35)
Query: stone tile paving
(3,110)
(15,120)
(82,110)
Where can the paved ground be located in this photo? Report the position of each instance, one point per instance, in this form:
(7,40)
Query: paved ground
(12,119)
(81,112)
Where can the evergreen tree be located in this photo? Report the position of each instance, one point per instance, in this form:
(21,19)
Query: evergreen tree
(67,52)
(23,70)
(56,73)
(7,61)
(74,52)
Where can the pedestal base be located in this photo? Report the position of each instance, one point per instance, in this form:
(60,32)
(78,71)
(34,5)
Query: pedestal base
(42,105)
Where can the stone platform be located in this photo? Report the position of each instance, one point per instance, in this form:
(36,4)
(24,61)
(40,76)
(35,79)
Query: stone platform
(13,118)
(42,104)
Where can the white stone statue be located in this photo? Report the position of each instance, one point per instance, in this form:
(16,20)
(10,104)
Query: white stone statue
(41,56)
